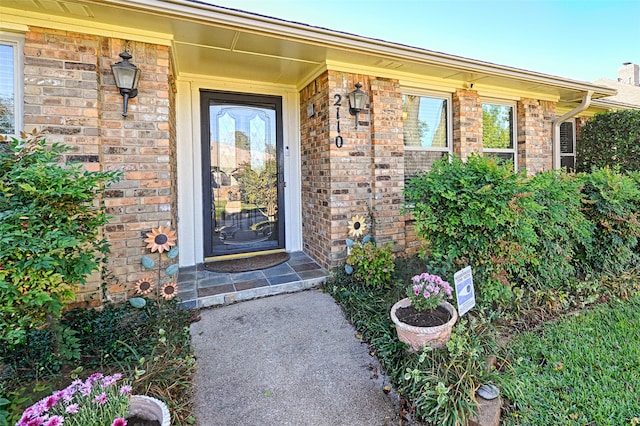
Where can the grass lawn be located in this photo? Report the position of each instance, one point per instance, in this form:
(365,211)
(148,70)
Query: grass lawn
(581,370)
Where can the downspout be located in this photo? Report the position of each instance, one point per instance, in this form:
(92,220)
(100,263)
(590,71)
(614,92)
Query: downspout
(586,101)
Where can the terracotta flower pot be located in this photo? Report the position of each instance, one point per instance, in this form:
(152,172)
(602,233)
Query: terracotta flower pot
(148,408)
(418,337)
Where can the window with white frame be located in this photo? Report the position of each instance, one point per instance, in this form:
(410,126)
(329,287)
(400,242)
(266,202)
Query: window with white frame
(426,131)
(498,130)
(11,86)
(568,145)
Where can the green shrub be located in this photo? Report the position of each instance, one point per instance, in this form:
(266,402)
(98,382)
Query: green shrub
(610,202)
(49,232)
(372,265)
(562,229)
(526,236)
(470,212)
(610,139)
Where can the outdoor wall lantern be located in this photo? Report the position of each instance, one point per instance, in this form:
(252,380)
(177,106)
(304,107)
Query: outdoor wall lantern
(126,75)
(357,101)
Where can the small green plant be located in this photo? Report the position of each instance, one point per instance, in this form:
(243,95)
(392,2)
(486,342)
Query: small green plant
(444,381)
(50,217)
(372,265)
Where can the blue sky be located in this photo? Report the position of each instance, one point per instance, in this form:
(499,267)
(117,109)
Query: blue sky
(578,39)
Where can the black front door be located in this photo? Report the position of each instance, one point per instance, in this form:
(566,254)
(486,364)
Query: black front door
(242,173)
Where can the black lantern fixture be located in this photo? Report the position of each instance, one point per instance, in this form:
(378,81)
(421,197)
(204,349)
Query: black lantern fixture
(357,101)
(126,75)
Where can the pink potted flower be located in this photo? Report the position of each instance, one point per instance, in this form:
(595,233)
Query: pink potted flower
(425,317)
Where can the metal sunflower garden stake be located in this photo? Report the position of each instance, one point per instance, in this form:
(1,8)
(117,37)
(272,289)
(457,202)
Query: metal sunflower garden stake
(161,240)
(357,227)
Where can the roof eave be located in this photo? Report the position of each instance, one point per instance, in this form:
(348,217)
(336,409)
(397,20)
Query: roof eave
(233,18)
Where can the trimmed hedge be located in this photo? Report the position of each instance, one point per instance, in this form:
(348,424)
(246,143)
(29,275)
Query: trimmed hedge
(524,233)
(610,139)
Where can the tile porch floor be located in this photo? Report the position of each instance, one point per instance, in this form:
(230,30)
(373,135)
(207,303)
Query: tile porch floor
(199,288)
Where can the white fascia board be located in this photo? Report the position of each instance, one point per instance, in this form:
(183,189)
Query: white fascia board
(344,41)
(10,18)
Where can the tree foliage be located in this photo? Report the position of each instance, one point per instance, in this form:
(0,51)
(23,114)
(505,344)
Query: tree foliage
(496,126)
(610,139)
(258,186)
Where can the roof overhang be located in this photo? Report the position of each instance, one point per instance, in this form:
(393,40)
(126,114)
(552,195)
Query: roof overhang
(210,40)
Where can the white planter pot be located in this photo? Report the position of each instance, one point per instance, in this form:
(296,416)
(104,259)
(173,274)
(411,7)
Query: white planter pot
(417,337)
(149,408)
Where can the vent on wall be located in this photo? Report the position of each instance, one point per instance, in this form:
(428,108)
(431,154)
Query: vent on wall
(65,7)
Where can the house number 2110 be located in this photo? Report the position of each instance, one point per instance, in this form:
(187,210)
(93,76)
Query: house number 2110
(339,140)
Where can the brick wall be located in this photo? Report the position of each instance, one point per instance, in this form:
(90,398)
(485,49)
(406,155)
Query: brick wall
(70,95)
(364,177)
(467,123)
(534,121)
(315,165)
(388,162)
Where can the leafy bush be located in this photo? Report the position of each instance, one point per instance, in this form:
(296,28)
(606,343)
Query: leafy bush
(372,265)
(526,237)
(562,229)
(471,212)
(610,139)
(49,232)
(611,202)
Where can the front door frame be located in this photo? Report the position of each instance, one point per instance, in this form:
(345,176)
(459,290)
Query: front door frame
(249,99)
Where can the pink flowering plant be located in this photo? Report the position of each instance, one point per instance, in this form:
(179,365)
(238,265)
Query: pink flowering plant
(428,291)
(99,400)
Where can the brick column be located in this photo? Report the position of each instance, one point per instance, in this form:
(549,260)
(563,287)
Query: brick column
(388,162)
(316,170)
(363,177)
(467,123)
(350,165)
(534,122)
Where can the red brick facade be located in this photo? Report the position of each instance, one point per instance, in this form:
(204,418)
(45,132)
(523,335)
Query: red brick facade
(467,123)
(366,176)
(70,95)
(534,121)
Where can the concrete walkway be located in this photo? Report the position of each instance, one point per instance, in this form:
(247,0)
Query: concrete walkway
(290,359)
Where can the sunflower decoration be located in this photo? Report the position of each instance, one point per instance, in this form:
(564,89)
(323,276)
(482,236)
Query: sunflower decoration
(161,239)
(357,226)
(144,286)
(169,291)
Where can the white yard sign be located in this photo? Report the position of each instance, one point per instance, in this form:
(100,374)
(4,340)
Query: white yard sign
(464,290)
